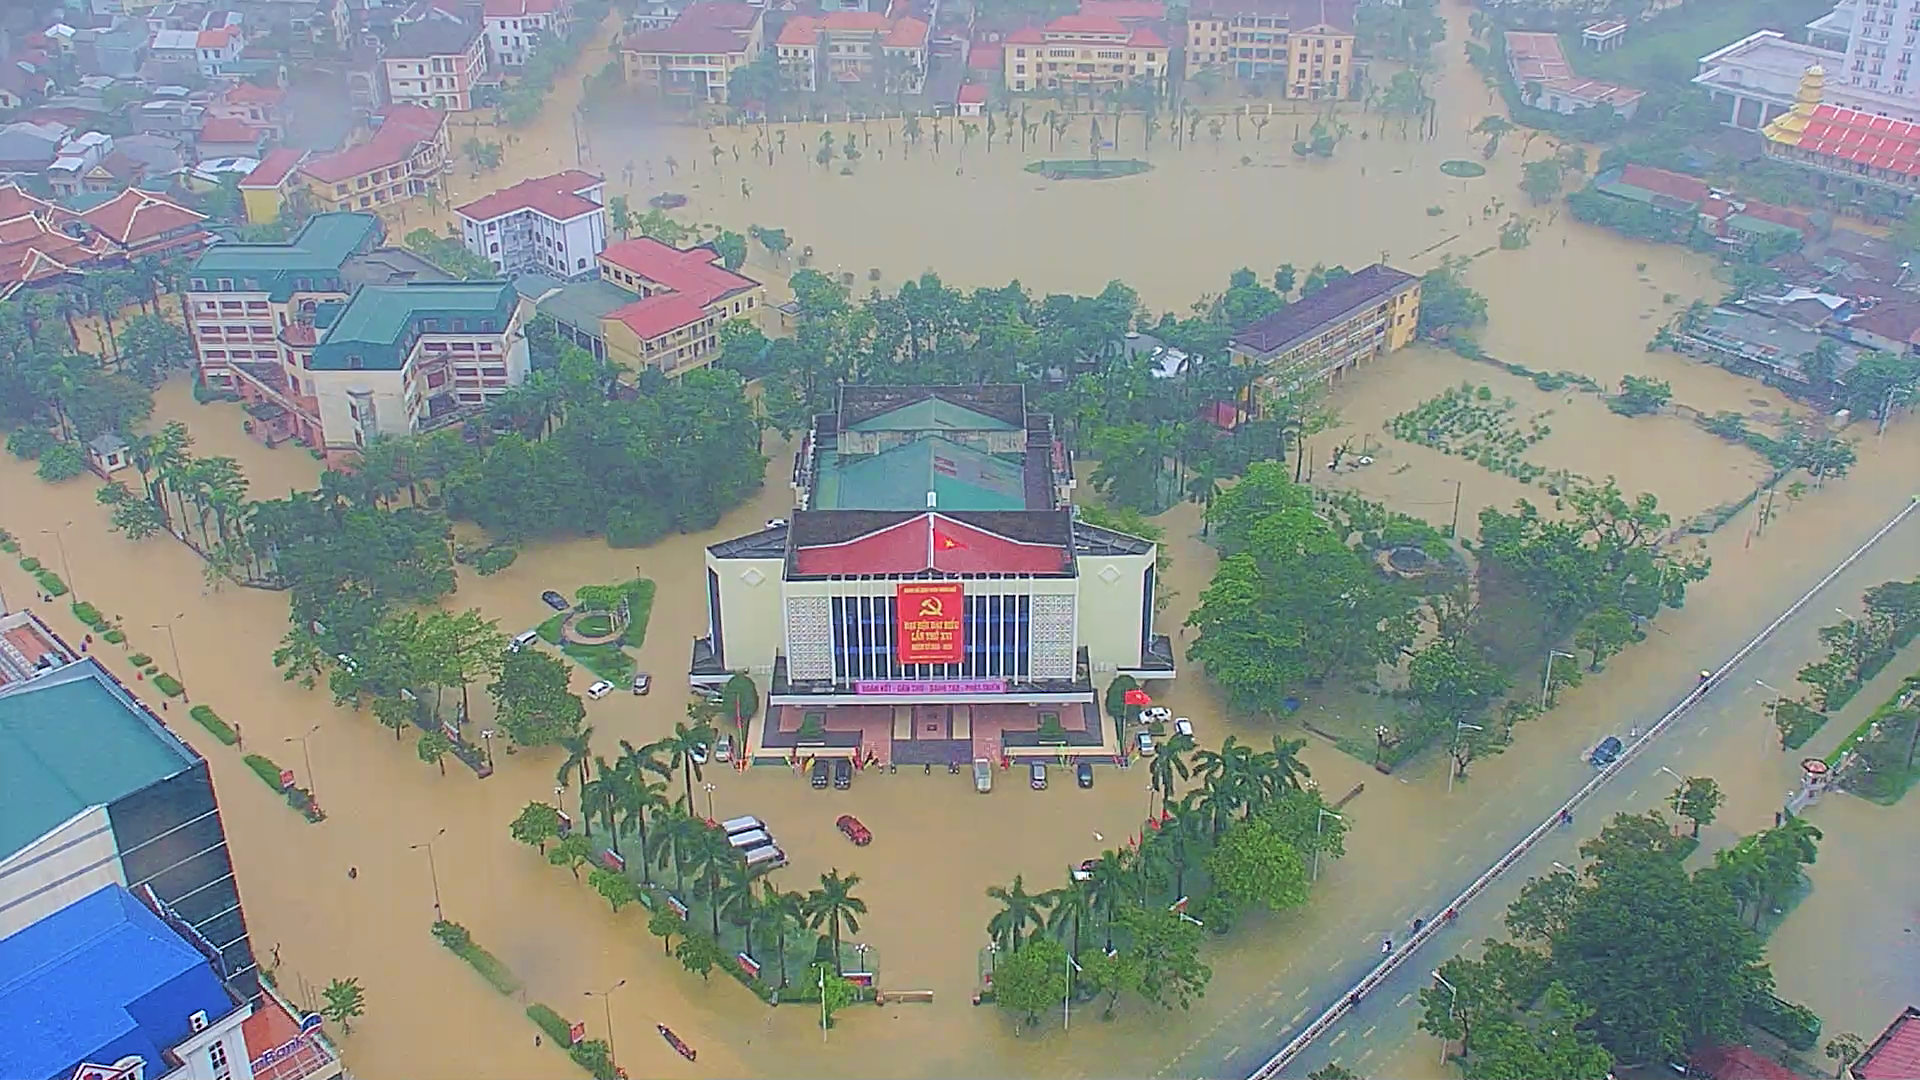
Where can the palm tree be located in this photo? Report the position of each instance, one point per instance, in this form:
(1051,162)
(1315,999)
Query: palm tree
(1019,909)
(1231,777)
(1175,846)
(578,746)
(641,797)
(1069,906)
(710,853)
(1170,762)
(1112,881)
(674,837)
(685,747)
(1283,767)
(602,795)
(782,909)
(833,904)
(737,898)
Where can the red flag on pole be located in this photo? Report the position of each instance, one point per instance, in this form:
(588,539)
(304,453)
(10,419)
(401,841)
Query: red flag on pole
(1137,696)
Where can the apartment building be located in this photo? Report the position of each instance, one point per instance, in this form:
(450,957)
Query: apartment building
(513,27)
(1083,51)
(333,340)
(1304,45)
(435,62)
(1366,314)
(555,225)
(217,49)
(694,57)
(685,295)
(402,157)
(853,47)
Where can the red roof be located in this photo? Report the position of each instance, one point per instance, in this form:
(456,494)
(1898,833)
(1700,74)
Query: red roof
(216,38)
(1027,35)
(1897,320)
(31,246)
(557,196)
(678,39)
(1124,9)
(273,169)
(661,313)
(403,128)
(1879,142)
(908,548)
(134,218)
(1086,24)
(1146,39)
(694,273)
(984,57)
(1895,1055)
(510,9)
(1740,1063)
(246,93)
(1779,215)
(906,34)
(973,94)
(1690,189)
(226,129)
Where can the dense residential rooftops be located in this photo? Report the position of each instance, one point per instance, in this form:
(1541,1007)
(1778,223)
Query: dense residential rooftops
(135,217)
(70,740)
(401,131)
(102,972)
(558,196)
(228,129)
(1307,316)
(378,324)
(431,37)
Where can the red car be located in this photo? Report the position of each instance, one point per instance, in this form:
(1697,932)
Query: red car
(855,831)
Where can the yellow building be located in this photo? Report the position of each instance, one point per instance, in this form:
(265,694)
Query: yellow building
(1346,323)
(1082,51)
(697,54)
(1304,45)
(685,296)
(402,159)
(265,190)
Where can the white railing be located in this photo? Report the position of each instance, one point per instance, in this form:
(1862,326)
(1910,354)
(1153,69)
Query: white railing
(1400,955)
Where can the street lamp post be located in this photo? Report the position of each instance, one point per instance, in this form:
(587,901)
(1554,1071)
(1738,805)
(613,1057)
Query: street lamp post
(1453,999)
(433,870)
(708,788)
(60,539)
(1379,743)
(1319,827)
(1066,1002)
(606,999)
(486,735)
(313,786)
(179,670)
(1546,681)
(1453,756)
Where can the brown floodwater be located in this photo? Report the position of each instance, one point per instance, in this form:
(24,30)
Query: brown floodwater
(1573,300)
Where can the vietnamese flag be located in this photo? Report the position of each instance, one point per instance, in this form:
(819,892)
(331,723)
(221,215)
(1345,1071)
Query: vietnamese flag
(945,542)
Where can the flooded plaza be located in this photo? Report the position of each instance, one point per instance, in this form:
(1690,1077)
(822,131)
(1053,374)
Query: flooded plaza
(1577,299)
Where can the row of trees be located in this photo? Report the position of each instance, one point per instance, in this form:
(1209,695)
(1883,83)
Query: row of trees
(1858,648)
(1244,838)
(1631,960)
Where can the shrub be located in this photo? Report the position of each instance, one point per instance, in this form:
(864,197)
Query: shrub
(550,1022)
(30,564)
(9,547)
(493,560)
(460,943)
(265,769)
(51,582)
(28,443)
(211,721)
(87,613)
(140,660)
(594,1056)
(61,461)
(151,670)
(168,685)
(113,637)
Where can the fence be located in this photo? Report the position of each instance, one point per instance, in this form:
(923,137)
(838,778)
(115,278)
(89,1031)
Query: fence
(1399,956)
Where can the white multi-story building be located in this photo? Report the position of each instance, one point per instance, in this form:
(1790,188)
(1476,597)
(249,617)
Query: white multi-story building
(515,26)
(553,225)
(1880,47)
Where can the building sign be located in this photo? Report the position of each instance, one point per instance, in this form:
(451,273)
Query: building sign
(930,629)
(922,688)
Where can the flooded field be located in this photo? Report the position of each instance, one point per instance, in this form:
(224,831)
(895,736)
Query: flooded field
(1577,300)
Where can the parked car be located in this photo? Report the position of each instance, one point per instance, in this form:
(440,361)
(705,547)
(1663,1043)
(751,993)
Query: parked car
(599,689)
(1605,753)
(1144,741)
(1083,872)
(842,773)
(555,600)
(523,639)
(699,753)
(856,832)
(776,523)
(1183,726)
(1083,774)
(1155,714)
(982,775)
(346,662)
(1133,335)
(642,683)
(817,776)
(1037,776)
(723,749)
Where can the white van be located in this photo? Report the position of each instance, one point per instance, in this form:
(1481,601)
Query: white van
(768,857)
(982,775)
(522,640)
(741,824)
(750,839)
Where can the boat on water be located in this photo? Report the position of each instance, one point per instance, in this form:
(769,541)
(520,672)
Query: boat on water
(676,1042)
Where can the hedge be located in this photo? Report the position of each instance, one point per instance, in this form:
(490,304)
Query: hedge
(550,1022)
(265,769)
(168,685)
(113,637)
(51,582)
(212,722)
(89,614)
(30,564)
(140,660)
(460,943)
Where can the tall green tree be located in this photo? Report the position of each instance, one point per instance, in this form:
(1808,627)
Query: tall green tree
(833,905)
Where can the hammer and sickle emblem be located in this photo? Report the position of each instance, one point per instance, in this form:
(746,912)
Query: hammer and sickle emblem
(931,605)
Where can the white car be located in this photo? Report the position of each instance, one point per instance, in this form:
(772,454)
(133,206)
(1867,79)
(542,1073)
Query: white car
(599,689)
(1155,714)
(1145,742)
(699,755)
(1133,335)
(723,750)
(1183,726)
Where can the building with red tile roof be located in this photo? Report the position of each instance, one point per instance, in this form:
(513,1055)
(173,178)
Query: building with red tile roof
(1127,11)
(684,297)
(401,158)
(29,648)
(135,223)
(1082,51)
(854,47)
(1858,149)
(986,56)
(254,105)
(264,190)
(1895,1055)
(225,136)
(972,99)
(1739,1063)
(696,55)
(554,225)
(280,1047)
(42,242)
(1535,59)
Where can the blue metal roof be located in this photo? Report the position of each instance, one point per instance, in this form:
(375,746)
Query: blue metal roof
(95,981)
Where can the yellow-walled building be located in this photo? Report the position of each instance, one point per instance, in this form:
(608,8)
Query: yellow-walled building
(264,191)
(1317,338)
(1304,45)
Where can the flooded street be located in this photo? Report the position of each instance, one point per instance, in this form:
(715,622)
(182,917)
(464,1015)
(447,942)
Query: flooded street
(1574,300)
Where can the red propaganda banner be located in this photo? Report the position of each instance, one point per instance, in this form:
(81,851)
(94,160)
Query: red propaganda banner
(930,629)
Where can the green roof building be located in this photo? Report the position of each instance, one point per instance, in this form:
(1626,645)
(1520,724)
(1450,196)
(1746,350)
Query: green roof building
(377,329)
(310,262)
(959,477)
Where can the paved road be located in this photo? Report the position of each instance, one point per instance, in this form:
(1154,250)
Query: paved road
(1348,948)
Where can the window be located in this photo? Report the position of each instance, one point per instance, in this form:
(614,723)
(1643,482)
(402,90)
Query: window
(217,1057)
(355,363)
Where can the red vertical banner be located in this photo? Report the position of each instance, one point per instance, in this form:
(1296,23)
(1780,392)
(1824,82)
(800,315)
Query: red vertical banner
(928,625)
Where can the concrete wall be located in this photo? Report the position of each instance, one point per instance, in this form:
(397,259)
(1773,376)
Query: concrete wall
(752,619)
(1111,598)
(68,863)
(1404,321)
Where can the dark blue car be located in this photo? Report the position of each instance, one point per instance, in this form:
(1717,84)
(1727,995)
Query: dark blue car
(1605,753)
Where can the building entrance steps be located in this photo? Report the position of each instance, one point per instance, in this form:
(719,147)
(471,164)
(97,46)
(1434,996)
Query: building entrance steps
(933,752)
(963,721)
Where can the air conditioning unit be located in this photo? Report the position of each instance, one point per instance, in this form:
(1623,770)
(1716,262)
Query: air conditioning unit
(198,1021)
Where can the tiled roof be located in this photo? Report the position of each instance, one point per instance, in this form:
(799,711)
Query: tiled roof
(900,33)
(226,129)
(907,34)
(1877,142)
(679,39)
(890,542)
(984,57)
(694,273)
(1897,320)
(1536,56)
(511,9)
(1741,1063)
(661,313)
(1298,13)
(217,38)
(1124,9)
(246,93)
(31,245)
(1027,35)
(724,14)
(1895,1055)
(432,37)
(1086,24)
(1305,317)
(136,217)
(1688,189)
(273,169)
(557,196)
(403,128)
(972,93)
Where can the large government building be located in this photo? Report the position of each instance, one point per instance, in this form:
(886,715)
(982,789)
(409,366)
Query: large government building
(934,599)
